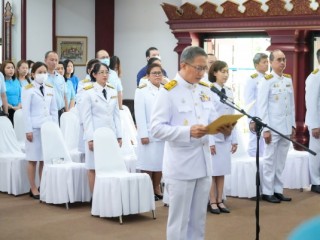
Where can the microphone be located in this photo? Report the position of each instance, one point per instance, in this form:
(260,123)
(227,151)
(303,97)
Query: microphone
(222,95)
(218,92)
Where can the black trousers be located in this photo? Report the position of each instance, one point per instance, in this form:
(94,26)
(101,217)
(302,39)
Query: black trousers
(60,113)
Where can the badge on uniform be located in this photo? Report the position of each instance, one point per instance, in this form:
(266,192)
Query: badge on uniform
(49,94)
(204,97)
(112,97)
(276,97)
(288,85)
(185,122)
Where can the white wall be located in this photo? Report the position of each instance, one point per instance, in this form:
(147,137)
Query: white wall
(139,25)
(39,28)
(77,18)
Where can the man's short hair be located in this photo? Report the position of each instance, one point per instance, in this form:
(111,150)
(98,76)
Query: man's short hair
(189,53)
(149,50)
(271,57)
(47,53)
(258,57)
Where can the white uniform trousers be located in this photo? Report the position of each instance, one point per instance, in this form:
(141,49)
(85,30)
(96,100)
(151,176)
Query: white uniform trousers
(275,155)
(252,145)
(314,161)
(188,200)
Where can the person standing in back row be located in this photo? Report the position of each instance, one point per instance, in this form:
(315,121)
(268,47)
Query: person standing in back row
(313,123)
(275,104)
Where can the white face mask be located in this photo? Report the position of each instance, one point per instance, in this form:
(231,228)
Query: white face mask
(41,78)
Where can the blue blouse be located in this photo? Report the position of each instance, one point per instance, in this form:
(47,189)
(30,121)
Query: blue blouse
(70,92)
(13,92)
(75,80)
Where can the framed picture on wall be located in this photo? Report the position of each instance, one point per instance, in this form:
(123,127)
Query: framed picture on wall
(73,48)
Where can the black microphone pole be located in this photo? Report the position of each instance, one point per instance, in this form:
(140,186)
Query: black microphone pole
(259,125)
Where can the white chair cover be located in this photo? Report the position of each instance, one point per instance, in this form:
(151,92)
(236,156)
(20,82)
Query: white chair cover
(116,191)
(132,130)
(296,171)
(19,128)
(13,166)
(127,149)
(242,180)
(70,127)
(65,182)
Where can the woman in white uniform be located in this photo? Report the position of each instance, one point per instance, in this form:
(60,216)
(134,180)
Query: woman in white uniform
(224,145)
(38,106)
(99,108)
(150,150)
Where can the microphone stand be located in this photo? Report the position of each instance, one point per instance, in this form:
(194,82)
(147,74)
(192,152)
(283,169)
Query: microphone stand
(259,126)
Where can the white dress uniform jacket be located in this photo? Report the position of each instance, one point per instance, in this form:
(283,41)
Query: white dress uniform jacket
(150,155)
(37,109)
(313,121)
(97,112)
(275,104)
(174,112)
(221,161)
(250,92)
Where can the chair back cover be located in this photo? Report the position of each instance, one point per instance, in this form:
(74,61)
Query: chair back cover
(70,128)
(53,144)
(130,126)
(19,126)
(8,140)
(107,154)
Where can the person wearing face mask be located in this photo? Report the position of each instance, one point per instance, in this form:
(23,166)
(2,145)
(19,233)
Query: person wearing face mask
(151,52)
(38,106)
(114,80)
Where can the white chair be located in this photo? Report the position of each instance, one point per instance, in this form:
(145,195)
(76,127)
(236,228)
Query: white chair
(127,149)
(63,181)
(132,130)
(116,191)
(13,166)
(19,128)
(70,127)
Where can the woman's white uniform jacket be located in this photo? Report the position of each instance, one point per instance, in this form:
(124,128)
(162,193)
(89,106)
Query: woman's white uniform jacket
(38,108)
(224,109)
(99,112)
(143,102)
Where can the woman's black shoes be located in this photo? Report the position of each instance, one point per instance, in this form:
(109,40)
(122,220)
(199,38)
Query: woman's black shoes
(214,210)
(223,209)
(33,195)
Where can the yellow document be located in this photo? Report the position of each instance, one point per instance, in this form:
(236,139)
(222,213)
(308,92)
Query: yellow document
(223,120)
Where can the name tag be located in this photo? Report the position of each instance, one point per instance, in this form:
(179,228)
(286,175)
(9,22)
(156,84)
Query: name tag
(288,85)
(113,97)
(49,94)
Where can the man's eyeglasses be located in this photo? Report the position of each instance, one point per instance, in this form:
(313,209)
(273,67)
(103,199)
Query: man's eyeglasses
(198,68)
(103,72)
(156,73)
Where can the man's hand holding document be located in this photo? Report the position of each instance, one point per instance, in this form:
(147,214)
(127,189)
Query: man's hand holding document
(224,124)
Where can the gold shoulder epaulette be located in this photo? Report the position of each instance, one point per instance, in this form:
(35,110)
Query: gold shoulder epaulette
(49,85)
(142,85)
(85,80)
(315,71)
(287,75)
(268,76)
(204,84)
(170,85)
(88,87)
(28,86)
(254,75)
(145,77)
(109,86)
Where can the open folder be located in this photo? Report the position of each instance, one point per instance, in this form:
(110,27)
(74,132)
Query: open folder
(223,120)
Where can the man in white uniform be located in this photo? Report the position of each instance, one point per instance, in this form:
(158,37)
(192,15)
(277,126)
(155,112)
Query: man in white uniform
(250,90)
(180,114)
(275,105)
(313,123)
